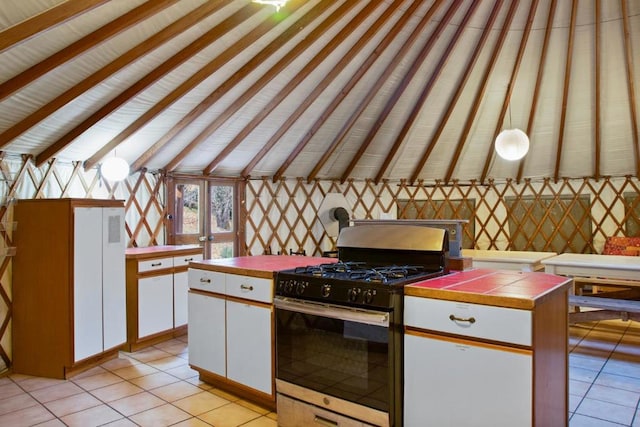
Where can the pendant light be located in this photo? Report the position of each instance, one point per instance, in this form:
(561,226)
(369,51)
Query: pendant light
(277,3)
(512,144)
(114,169)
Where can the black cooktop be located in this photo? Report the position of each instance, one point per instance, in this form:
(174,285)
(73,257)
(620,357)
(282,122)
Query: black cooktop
(354,283)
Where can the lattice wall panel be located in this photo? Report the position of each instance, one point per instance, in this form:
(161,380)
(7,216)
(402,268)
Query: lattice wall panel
(143,194)
(283,215)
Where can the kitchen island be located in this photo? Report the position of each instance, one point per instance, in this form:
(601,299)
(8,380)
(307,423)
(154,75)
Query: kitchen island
(487,347)
(231,322)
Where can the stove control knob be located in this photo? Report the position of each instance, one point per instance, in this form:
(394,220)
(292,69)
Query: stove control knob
(353,294)
(300,288)
(368,296)
(325,290)
(289,286)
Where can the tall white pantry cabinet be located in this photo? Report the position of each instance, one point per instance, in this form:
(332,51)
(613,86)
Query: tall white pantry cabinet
(69,295)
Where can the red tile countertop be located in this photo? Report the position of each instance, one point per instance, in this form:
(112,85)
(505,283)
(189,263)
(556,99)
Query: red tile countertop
(503,288)
(259,265)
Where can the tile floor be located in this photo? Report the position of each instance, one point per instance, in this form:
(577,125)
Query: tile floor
(156,387)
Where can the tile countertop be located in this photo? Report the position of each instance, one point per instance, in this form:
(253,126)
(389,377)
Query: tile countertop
(502,288)
(259,265)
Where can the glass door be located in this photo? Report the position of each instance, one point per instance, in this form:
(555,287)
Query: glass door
(204,212)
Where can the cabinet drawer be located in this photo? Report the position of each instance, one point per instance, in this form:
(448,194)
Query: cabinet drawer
(252,288)
(184,260)
(207,280)
(473,320)
(155,264)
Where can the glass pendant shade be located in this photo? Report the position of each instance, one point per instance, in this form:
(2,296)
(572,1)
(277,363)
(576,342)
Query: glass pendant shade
(114,169)
(512,144)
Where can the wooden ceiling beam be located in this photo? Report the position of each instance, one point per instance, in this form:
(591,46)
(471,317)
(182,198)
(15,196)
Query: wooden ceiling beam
(168,66)
(329,78)
(535,98)
(346,89)
(273,72)
(484,81)
(205,72)
(44,21)
(309,67)
(89,41)
(373,90)
(426,90)
(630,85)
(565,91)
(397,93)
(454,99)
(108,70)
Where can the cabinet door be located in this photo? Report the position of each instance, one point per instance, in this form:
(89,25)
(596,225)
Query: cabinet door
(113,278)
(462,383)
(87,282)
(249,359)
(207,333)
(180,291)
(155,304)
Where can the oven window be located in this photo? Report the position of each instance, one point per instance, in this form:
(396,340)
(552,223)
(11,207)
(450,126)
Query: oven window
(345,359)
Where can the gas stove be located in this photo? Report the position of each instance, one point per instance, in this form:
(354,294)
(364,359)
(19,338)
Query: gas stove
(375,263)
(351,283)
(339,326)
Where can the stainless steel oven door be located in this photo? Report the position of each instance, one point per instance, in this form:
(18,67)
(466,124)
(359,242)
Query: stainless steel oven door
(338,351)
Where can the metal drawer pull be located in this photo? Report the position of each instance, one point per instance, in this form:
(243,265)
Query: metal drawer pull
(205,280)
(246,288)
(453,318)
(323,421)
(188,259)
(157,264)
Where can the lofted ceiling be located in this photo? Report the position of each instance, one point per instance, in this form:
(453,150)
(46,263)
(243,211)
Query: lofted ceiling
(324,89)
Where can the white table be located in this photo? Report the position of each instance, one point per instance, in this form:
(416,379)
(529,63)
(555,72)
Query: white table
(616,271)
(507,260)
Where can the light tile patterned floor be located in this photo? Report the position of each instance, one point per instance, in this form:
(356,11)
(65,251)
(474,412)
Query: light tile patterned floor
(155,387)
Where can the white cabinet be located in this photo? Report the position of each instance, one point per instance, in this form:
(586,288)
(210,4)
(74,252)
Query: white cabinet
(207,332)
(249,345)
(68,285)
(231,332)
(471,364)
(180,300)
(157,289)
(468,384)
(99,305)
(155,304)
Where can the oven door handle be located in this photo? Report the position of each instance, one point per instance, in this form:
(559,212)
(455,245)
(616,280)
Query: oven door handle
(326,310)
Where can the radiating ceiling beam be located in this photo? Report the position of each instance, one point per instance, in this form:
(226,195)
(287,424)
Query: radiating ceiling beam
(110,69)
(484,80)
(328,79)
(399,90)
(426,90)
(460,87)
(168,66)
(272,73)
(373,90)
(342,94)
(44,21)
(87,42)
(565,90)
(630,86)
(534,99)
(309,67)
(190,83)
